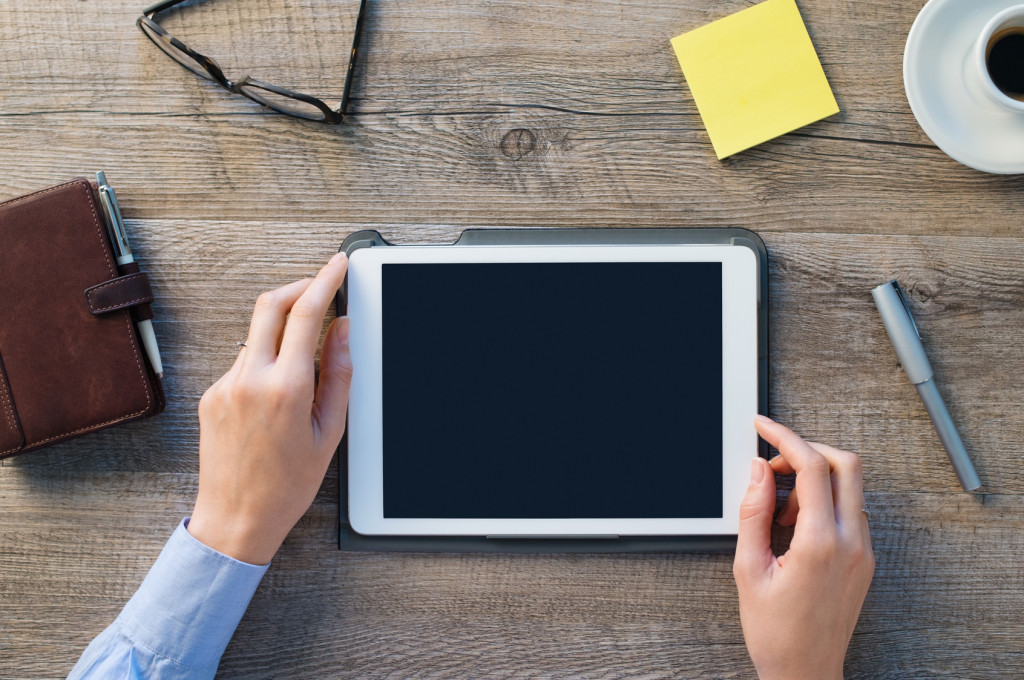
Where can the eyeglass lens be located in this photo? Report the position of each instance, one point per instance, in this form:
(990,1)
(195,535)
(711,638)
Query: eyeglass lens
(282,103)
(173,52)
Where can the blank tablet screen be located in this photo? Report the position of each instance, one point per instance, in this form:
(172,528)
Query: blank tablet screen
(552,390)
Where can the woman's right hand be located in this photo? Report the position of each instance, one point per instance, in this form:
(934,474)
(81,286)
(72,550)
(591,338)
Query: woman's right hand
(799,610)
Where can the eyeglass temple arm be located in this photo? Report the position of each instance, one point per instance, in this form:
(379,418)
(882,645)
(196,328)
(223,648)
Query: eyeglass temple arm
(161,6)
(343,108)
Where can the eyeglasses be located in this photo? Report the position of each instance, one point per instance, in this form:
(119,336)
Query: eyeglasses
(275,97)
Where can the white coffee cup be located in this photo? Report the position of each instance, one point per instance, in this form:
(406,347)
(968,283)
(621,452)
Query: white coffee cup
(978,69)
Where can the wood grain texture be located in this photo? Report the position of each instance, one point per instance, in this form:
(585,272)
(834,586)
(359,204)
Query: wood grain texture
(941,566)
(513,113)
(443,91)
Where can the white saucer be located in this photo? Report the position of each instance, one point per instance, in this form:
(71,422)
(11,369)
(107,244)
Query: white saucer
(960,120)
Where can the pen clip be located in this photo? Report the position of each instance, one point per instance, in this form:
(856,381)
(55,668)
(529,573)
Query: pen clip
(903,301)
(112,211)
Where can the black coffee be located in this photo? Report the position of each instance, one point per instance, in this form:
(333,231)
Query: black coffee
(1006,61)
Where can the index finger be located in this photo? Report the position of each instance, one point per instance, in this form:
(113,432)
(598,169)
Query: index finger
(813,478)
(305,320)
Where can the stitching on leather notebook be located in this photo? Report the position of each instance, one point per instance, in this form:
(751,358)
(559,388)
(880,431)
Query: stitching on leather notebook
(9,410)
(116,281)
(10,419)
(21,199)
(87,189)
(87,428)
(121,305)
(89,293)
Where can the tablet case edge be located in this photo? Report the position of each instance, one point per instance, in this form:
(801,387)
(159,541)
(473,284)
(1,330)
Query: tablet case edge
(349,540)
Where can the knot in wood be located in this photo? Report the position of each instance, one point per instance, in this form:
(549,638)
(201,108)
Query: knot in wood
(518,143)
(924,290)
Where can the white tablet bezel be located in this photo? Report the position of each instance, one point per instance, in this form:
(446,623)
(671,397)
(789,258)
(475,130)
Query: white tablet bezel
(365,425)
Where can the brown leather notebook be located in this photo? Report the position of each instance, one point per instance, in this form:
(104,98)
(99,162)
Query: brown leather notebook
(70,356)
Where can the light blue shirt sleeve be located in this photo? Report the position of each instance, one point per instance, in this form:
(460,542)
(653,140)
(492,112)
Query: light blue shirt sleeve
(180,620)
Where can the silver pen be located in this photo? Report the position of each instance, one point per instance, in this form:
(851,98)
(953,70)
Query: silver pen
(902,330)
(123,253)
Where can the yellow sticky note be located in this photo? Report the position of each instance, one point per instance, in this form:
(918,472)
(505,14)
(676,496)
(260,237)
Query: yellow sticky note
(754,76)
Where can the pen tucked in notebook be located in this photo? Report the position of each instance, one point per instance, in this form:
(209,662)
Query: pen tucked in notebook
(71,359)
(127,266)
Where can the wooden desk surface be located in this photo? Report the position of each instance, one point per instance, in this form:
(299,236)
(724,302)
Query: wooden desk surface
(519,114)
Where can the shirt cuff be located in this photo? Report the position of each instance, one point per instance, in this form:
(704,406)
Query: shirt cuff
(188,607)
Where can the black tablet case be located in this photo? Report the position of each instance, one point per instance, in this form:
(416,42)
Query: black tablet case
(743,238)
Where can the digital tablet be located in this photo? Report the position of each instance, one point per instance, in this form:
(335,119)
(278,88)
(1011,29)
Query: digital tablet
(551,391)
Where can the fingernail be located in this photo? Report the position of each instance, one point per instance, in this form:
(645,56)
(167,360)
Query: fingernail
(343,329)
(338,257)
(763,419)
(756,471)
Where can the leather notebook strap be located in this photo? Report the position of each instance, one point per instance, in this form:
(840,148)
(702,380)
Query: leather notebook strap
(125,291)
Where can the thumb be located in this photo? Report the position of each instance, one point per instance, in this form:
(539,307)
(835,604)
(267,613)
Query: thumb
(335,379)
(753,543)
